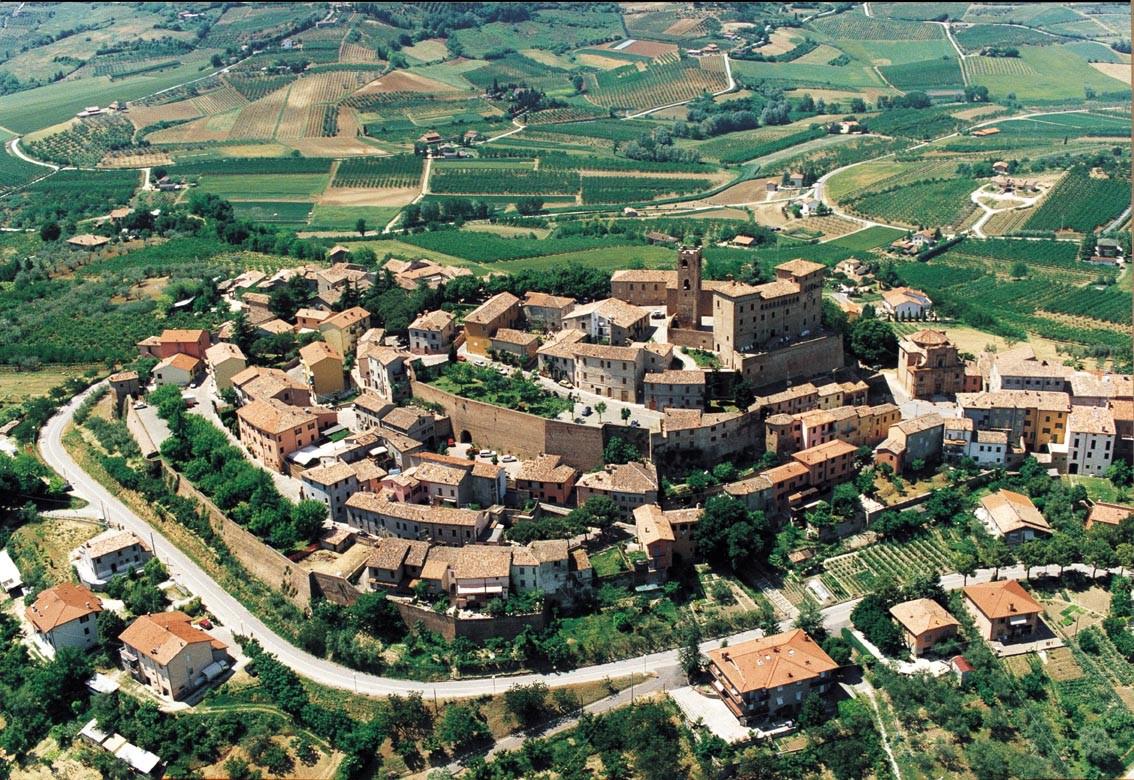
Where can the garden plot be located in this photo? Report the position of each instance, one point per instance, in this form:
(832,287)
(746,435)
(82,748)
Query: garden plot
(311,110)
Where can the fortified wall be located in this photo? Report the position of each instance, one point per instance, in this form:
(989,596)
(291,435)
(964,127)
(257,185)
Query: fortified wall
(802,359)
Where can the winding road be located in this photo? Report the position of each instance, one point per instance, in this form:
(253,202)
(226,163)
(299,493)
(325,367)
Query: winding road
(239,619)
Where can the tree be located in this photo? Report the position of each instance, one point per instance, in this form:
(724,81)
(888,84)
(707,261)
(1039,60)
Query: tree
(810,619)
(996,555)
(1099,553)
(766,619)
(690,654)
(626,413)
(729,533)
(619,450)
(529,206)
(812,713)
(527,704)
(600,409)
(50,231)
(1121,473)
(1032,553)
(874,342)
(1019,269)
(461,726)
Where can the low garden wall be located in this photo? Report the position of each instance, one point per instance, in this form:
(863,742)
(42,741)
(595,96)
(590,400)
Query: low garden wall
(476,629)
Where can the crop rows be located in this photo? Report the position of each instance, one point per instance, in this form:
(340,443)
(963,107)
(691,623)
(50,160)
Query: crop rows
(398,171)
(626,189)
(738,151)
(487,248)
(509,181)
(85,143)
(602,129)
(980,35)
(927,203)
(70,194)
(853,575)
(562,161)
(1108,304)
(552,116)
(924,74)
(997,66)
(258,120)
(253,166)
(858,27)
(123,68)
(1081,203)
(256,86)
(658,85)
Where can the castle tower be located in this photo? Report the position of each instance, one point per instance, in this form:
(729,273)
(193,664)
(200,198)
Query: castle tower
(689,286)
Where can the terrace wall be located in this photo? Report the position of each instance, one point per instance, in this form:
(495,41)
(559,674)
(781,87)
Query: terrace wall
(477,629)
(261,561)
(520,433)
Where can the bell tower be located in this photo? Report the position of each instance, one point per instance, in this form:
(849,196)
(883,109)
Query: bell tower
(689,286)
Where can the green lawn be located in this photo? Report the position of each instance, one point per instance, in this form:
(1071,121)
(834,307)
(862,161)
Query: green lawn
(1098,489)
(346,217)
(608,562)
(1054,73)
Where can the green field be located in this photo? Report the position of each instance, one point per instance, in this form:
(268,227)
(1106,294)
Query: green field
(472,180)
(397,171)
(630,189)
(15,172)
(941,73)
(796,74)
(273,212)
(1054,74)
(281,186)
(930,203)
(1081,203)
(345,218)
(856,26)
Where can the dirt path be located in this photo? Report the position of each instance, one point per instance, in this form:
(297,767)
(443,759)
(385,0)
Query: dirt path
(867,690)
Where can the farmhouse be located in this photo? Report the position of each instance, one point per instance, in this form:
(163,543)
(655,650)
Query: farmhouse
(180,370)
(64,616)
(87,241)
(906,303)
(1012,517)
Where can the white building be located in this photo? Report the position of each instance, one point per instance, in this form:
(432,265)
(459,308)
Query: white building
(225,360)
(64,615)
(1090,440)
(331,486)
(179,369)
(385,372)
(906,303)
(542,566)
(107,555)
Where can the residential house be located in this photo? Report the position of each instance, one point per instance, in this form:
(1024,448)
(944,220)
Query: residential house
(432,333)
(225,360)
(445,484)
(919,439)
(1090,440)
(1019,370)
(499,311)
(754,492)
(674,389)
(1012,517)
(271,430)
(1094,390)
(827,464)
(394,563)
(768,679)
(613,372)
(377,514)
(342,330)
(310,319)
(906,303)
(480,573)
(924,623)
(520,345)
(929,365)
(703,436)
(322,369)
(64,615)
(180,370)
(331,486)
(103,557)
(387,372)
(176,341)
(806,396)
(258,383)
(412,421)
(789,486)
(857,425)
(369,409)
(557,355)
(411,274)
(546,312)
(166,653)
(665,534)
(546,479)
(1034,419)
(1002,610)
(990,449)
(628,485)
(1108,514)
(610,320)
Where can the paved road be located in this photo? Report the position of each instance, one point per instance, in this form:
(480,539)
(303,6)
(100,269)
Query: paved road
(237,617)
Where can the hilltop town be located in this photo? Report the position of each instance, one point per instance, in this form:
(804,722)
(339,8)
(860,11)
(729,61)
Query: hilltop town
(614,390)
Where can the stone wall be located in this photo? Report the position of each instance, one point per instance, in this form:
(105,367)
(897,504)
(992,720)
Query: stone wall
(260,560)
(519,433)
(796,361)
(688,337)
(478,629)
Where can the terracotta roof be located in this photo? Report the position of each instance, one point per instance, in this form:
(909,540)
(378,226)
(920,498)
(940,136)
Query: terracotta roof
(274,416)
(382,355)
(432,321)
(61,604)
(652,523)
(562,344)
(517,337)
(918,424)
(674,377)
(418,513)
(545,301)
(580,560)
(163,635)
(312,314)
(371,402)
(403,418)
(181,335)
(1001,599)
(929,338)
(181,361)
(900,295)
(1011,365)
(486,470)
(261,383)
(1091,419)
(109,541)
(643,275)
(633,477)
(546,468)
(223,350)
(922,615)
(123,376)
(345,319)
(492,309)
(523,556)
(88,240)
(606,352)
(617,311)
(1084,385)
(780,659)
(992,437)
(784,473)
(439,474)
(276,326)
(747,487)
(328,475)
(1011,511)
(1121,409)
(1108,514)
(1042,400)
(800,267)
(317,351)
(692,419)
(391,552)
(482,561)
(549,550)
(823,452)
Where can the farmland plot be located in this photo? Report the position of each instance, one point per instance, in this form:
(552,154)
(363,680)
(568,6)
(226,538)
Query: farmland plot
(504,181)
(856,26)
(657,85)
(628,189)
(257,121)
(925,75)
(925,203)
(379,172)
(1082,203)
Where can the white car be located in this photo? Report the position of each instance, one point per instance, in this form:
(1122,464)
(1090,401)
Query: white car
(508,459)
(485,454)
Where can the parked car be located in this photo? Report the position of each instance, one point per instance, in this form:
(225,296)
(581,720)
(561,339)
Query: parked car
(587,411)
(564,383)
(486,453)
(657,315)
(509,459)
(635,424)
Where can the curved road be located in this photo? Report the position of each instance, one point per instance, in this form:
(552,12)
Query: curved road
(238,618)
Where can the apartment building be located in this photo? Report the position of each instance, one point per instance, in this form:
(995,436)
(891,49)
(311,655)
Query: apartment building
(557,355)
(376,514)
(342,330)
(1020,370)
(322,369)
(271,430)
(546,479)
(1097,390)
(1091,440)
(612,372)
(520,345)
(331,485)
(1002,610)
(224,360)
(167,654)
(807,396)
(961,439)
(1032,418)
(708,437)
(827,464)
(610,320)
(176,341)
